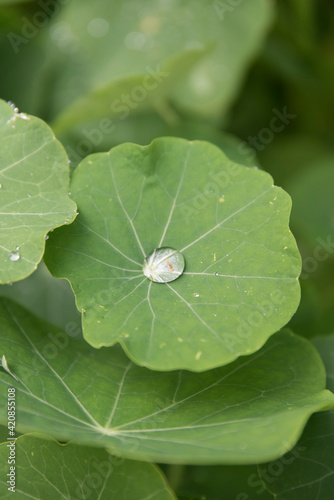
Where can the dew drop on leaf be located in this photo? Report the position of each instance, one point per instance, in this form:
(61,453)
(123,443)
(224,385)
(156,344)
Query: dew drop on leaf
(163,265)
(14,256)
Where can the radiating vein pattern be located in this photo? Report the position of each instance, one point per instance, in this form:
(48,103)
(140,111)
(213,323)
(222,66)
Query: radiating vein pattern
(230,224)
(100,398)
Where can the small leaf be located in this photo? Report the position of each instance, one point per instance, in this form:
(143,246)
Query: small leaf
(250,411)
(230,224)
(46,469)
(34,178)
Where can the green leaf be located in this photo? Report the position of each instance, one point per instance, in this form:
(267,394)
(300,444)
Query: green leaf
(96,104)
(34,191)
(46,469)
(231,225)
(308,472)
(247,412)
(114,42)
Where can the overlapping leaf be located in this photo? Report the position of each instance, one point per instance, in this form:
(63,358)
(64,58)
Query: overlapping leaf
(34,199)
(46,469)
(112,42)
(248,412)
(231,224)
(308,473)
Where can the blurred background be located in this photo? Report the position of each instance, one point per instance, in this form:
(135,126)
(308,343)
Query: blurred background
(254,77)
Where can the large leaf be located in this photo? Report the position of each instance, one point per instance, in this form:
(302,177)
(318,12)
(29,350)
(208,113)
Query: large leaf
(229,222)
(46,469)
(248,412)
(309,472)
(115,40)
(34,199)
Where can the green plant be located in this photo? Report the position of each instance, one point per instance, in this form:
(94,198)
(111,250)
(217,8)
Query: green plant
(127,143)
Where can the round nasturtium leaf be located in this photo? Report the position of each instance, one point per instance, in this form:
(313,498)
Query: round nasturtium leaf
(34,184)
(240,283)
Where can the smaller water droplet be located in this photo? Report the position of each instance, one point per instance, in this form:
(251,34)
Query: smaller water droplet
(215,315)
(69,193)
(196,294)
(0,186)
(47,237)
(29,195)
(68,161)
(216,274)
(256,167)
(16,248)
(14,256)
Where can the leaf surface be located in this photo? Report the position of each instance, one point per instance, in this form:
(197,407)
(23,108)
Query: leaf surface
(231,225)
(46,469)
(250,411)
(112,42)
(34,180)
(307,473)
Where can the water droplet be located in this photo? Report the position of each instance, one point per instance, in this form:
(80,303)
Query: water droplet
(163,265)
(12,105)
(29,195)
(196,294)
(47,237)
(14,256)
(216,274)
(0,186)
(215,315)
(16,248)
(69,193)
(68,161)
